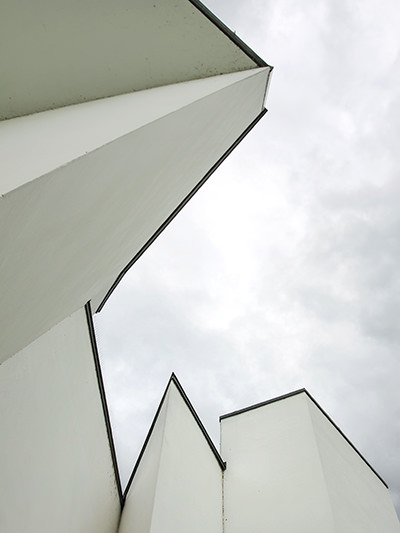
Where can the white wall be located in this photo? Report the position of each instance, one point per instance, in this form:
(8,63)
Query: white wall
(55,462)
(289,470)
(138,510)
(54,138)
(187,493)
(71,232)
(360,501)
(274,481)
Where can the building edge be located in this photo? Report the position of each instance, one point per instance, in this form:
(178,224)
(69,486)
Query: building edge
(173,379)
(180,207)
(230,34)
(295,393)
(100,382)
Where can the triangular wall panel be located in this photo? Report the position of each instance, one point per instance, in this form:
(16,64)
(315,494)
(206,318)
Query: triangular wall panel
(359,498)
(139,506)
(188,489)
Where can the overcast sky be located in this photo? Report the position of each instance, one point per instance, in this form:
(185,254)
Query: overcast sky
(282,272)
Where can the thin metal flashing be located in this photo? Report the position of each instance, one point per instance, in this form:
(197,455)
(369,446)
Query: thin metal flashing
(173,379)
(100,382)
(218,457)
(229,33)
(294,393)
(146,441)
(261,404)
(180,207)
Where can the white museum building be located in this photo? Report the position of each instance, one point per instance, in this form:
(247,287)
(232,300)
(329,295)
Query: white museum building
(112,115)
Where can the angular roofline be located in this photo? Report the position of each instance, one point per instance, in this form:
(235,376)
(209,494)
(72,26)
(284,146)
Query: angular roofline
(261,404)
(180,207)
(173,379)
(188,403)
(295,393)
(230,34)
(25,103)
(100,382)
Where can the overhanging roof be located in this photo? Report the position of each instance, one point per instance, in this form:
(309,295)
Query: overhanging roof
(91,176)
(69,235)
(58,53)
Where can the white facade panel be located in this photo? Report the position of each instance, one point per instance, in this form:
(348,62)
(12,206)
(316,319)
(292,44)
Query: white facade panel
(138,510)
(291,470)
(54,138)
(360,501)
(101,209)
(56,469)
(117,112)
(274,481)
(62,53)
(188,495)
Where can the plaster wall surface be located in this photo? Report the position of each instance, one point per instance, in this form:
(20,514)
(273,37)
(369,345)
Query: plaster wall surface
(274,480)
(54,138)
(55,462)
(139,504)
(188,490)
(76,228)
(58,53)
(360,501)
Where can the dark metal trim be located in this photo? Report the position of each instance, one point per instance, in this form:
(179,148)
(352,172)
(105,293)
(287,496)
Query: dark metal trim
(218,457)
(229,33)
(149,433)
(261,404)
(100,382)
(173,379)
(305,391)
(180,206)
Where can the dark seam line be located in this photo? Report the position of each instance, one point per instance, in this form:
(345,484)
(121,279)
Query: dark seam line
(229,33)
(143,449)
(348,441)
(100,382)
(294,393)
(173,379)
(177,209)
(188,403)
(261,404)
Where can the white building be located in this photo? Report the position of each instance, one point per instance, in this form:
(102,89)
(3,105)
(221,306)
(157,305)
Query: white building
(284,467)
(113,114)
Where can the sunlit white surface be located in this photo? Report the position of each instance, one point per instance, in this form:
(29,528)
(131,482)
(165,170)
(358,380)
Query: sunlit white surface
(178,484)
(72,231)
(282,272)
(55,461)
(289,469)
